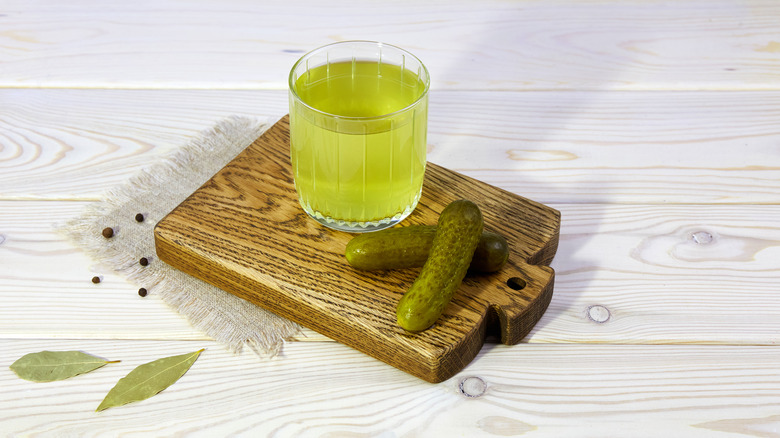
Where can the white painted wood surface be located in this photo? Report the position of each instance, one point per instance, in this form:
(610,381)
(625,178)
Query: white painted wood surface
(492,45)
(554,147)
(326,389)
(653,126)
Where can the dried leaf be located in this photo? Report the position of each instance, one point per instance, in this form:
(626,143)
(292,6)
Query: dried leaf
(48,366)
(148,379)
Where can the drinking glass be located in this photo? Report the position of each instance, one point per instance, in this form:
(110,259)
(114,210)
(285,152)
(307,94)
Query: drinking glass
(358,126)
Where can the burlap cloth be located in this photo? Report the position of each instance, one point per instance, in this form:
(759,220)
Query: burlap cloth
(154,192)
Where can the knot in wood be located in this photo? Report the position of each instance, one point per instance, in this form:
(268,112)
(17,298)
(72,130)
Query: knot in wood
(702,237)
(472,387)
(598,314)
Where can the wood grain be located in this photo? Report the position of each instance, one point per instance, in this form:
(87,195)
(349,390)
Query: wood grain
(486,45)
(245,232)
(327,389)
(77,144)
(553,147)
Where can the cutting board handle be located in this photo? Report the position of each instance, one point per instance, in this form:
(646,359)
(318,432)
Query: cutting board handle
(511,314)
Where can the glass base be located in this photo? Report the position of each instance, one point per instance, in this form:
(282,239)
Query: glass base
(359,227)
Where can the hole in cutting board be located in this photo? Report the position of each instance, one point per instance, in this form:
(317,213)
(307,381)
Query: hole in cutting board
(516,283)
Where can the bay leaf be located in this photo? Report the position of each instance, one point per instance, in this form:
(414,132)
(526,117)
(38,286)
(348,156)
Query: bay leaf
(48,366)
(148,380)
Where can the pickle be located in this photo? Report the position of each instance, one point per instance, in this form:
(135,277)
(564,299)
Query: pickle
(456,238)
(408,247)
(392,248)
(491,254)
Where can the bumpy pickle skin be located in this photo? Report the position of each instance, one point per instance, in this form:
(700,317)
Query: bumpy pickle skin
(457,236)
(408,247)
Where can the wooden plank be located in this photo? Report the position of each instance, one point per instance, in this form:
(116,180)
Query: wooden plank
(76,144)
(552,147)
(656,274)
(654,147)
(319,389)
(691,44)
(666,274)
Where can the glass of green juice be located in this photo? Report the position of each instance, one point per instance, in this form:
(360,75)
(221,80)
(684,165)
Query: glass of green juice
(358,126)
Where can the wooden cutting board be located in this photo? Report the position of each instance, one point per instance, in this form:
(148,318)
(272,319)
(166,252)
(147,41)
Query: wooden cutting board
(245,232)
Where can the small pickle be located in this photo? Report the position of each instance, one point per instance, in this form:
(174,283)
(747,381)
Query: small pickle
(491,254)
(408,247)
(457,236)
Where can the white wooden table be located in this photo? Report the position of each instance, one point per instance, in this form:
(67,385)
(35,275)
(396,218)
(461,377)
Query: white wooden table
(653,126)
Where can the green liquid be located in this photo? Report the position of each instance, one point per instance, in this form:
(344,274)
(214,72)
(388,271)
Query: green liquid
(358,170)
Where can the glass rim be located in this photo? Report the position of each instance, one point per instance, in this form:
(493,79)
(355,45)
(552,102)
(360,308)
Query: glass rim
(308,55)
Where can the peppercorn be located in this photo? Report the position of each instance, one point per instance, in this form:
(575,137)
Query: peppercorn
(139,217)
(142,292)
(144,261)
(108,232)
(96,279)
